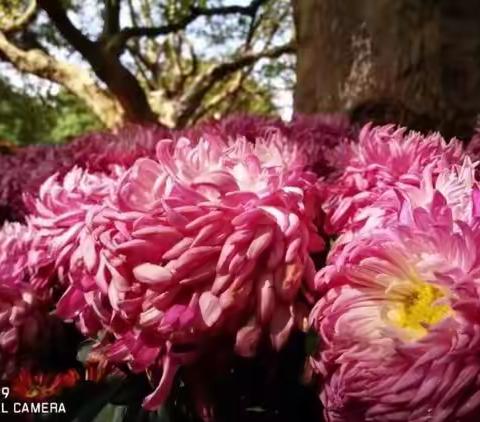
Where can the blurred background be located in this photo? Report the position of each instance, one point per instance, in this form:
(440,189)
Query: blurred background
(68,66)
(72,66)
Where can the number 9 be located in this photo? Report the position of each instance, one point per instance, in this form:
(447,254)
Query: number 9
(5,392)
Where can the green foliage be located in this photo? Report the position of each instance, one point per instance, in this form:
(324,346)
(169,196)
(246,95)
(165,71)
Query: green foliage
(250,97)
(26,119)
(11,7)
(71,117)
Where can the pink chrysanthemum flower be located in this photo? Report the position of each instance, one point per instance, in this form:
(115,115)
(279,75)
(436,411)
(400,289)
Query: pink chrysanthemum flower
(15,243)
(250,127)
(316,141)
(59,216)
(22,319)
(455,186)
(384,157)
(400,322)
(473,146)
(24,170)
(23,313)
(210,240)
(324,138)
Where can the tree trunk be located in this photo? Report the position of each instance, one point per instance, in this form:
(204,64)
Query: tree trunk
(411,62)
(125,87)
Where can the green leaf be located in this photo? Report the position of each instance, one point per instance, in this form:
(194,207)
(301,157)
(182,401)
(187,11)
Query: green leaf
(132,390)
(83,402)
(84,350)
(256,409)
(94,405)
(136,413)
(161,415)
(311,343)
(111,413)
(51,119)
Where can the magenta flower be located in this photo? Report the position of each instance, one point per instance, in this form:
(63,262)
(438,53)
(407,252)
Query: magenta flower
(23,172)
(250,127)
(208,241)
(384,157)
(324,138)
(400,320)
(100,151)
(97,152)
(312,139)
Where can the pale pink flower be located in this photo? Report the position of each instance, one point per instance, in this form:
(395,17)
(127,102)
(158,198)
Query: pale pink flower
(211,240)
(384,157)
(400,321)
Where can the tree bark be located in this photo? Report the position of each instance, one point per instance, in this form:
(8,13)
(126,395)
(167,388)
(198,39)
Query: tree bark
(77,80)
(105,62)
(412,62)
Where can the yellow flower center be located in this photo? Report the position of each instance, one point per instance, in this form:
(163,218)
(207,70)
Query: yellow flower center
(418,308)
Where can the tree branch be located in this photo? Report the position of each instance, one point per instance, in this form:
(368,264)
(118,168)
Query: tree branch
(131,10)
(19,23)
(193,59)
(214,102)
(249,10)
(106,64)
(143,68)
(195,12)
(78,81)
(58,16)
(193,97)
(111,18)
